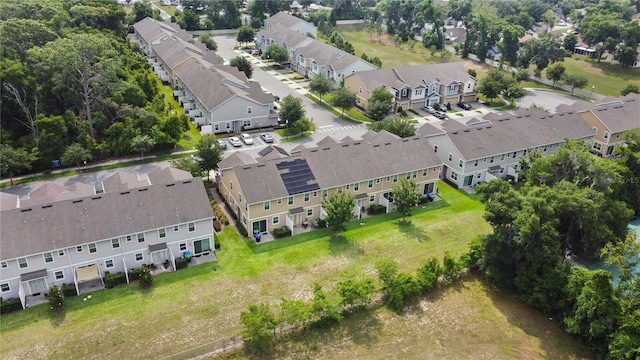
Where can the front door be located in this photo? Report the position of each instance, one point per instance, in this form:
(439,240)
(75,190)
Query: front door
(260,226)
(609,150)
(296,219)
(468,180)
(37,286)
(159,257)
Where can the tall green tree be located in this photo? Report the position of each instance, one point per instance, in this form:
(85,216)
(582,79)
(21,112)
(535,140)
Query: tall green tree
(405,197)
(380,104)
(542,51)
(276,53)
(86,61)
(209,152)
(320,85)
(291,110)
(324,309)
(295,313)
(343,98)
(75,154)
(208,42)
(555,72)
(13,161)
(142,144)
(189,164)
(243,64)
(339,208)
(575,81)
(356,292)
(245,34)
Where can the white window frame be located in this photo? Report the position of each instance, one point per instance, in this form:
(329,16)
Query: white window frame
(450,157)
(45,257)
(60,252)
(5,287)
(266,206)
(79,249)
(192,226)
(93,248)
(290,200)
(176,228)
(306,197)
(4,264)
(106,265)
(115,243)
(249,109)
(275,220)
(372,198)
(310,212)
(162,233)
(356,187)
(182,246)
(55,275)
(140,237)
(135,256)
(26,263)
(370,184)
(279,201)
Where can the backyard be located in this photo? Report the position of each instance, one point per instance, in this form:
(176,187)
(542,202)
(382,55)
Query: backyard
(200,304)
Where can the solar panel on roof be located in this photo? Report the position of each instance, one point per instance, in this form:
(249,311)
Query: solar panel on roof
(297,176)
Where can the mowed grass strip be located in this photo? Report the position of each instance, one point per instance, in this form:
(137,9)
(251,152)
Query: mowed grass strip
(200,304)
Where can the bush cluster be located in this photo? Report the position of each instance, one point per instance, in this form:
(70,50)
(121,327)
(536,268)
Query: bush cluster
(56,299)
(113,280)
(280,233)
(377,209)
(146,279)
(10,306)
(181,263)
(219,214)
(69,290)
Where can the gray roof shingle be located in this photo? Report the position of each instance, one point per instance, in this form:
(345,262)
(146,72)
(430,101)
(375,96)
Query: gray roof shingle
(412,76)
(69,223)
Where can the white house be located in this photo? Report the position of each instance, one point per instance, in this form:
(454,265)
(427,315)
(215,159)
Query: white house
(73,235)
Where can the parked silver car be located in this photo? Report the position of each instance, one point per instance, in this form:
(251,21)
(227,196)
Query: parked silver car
(247,138)
(235,142)
(222,144)
(268,138)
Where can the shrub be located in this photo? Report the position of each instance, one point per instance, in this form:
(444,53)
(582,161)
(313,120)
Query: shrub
(113,280)
(69,290)
(322,223)
(10,306)
(377,209)
(134,274)
(217,225)
(181,263)
(56,299)
(146,279)
(280,233)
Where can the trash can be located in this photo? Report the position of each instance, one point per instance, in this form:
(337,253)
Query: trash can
(187,255)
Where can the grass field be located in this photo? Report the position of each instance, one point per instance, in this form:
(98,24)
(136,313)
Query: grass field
(200,304)
(608,79)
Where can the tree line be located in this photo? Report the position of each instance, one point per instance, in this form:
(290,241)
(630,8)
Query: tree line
(74,88)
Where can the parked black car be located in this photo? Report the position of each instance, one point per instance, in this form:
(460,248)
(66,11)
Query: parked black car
(464,105)
(440,107)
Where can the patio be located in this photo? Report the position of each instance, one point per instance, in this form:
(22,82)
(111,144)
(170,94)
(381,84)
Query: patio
(89,286)
(203,258)
(162,268)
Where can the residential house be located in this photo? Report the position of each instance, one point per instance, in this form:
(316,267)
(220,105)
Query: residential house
(217,97)
(610,120)
(73,235)
(289,21)
(222,100)
(281,35)
(416,86)
(484,149)
(266,194)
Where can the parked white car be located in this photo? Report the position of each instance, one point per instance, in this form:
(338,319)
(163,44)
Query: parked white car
(247,138)
(234,141)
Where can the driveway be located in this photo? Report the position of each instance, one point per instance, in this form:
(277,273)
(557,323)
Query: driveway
(547,100)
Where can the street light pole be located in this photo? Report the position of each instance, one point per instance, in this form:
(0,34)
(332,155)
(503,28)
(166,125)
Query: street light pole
(592,87)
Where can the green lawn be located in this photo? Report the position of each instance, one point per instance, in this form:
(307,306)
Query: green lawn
(169,9)
(189,138)
(389,53)
(608,79)
(200,304)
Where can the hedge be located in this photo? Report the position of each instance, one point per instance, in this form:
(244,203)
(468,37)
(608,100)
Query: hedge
(10,306)
(280,233)
(377,209)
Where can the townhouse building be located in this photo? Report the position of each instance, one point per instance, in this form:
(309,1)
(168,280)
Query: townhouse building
(217,97)
(310,57)
(291,22)
(416,86)
(288,190)
(609,120)
(492,147)
(73,235)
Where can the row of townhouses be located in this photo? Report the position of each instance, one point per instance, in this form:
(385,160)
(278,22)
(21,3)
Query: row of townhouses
(307,56)
(278,189)
(72,235)
(218,98)
(416,86)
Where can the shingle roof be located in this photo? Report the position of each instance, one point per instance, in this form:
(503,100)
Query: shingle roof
(215,85)
(8,201)
(513,133)
(328,56)
(283,19)
(338,164)
(428,130)
(327,141)
(69,223)
(379,137)
(412,76)
(49,193)
(122,181)
(620,115)
(167,175)
(149,29)
(285,36)
(238,158)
